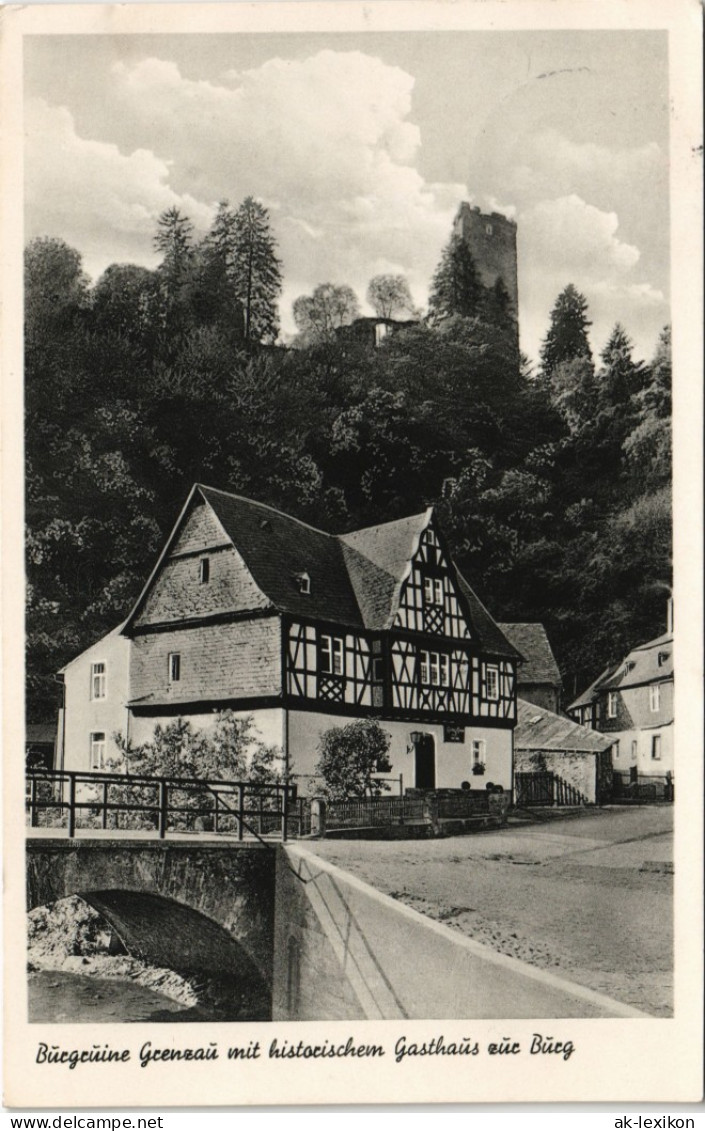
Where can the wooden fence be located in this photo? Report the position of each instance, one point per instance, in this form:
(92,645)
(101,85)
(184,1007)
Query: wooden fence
(371,812)
(545,788)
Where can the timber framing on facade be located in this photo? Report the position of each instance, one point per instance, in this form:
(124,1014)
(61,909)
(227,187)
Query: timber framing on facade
(252,610)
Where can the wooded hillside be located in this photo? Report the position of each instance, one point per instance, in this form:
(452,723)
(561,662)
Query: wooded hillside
(553,487)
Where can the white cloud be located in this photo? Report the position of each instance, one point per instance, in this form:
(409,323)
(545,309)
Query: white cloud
(90,194)
(566,240)
(569,234)
(328,144)
(324,141)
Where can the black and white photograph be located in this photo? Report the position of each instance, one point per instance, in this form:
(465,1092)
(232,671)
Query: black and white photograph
(352,362)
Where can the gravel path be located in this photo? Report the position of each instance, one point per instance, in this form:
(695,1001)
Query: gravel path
(590,898)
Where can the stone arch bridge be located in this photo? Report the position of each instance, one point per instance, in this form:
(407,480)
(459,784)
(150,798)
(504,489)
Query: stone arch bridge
(193,907)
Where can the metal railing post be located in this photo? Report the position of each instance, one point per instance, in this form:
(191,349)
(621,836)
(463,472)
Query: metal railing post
(72,803)
(216,813)
(163,806)
(33,803)
(105,804)
(285,811)
(240,812)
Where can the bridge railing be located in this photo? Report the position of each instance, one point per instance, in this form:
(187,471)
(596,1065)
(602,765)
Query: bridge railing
(75,800)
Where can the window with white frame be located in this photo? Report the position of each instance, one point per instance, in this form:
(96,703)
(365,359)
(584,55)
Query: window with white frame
(612,700)
(331,655)
(433,669)
(492,682)
(99,680)
(174,667)
(478,751)
(655,697)
(98,750)
(433,591)
(635,749)
(656,747)
(615,749)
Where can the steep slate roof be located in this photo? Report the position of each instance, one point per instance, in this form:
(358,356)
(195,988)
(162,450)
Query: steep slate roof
(276,547)
(489,632)
(539,662)
(539,729)
(641,666)
(377,558)
(356,578)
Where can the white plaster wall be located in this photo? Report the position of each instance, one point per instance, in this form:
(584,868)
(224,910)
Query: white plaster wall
(646,765)
(83,715)
(453,760)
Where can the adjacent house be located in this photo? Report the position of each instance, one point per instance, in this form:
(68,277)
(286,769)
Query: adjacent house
(545,742)
(538,676)
(40,745)
(94,707)
(632,703)
(252,610)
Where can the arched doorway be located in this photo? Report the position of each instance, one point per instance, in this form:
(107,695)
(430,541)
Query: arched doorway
(425,762)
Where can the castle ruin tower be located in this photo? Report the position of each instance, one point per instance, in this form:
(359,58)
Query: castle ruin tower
(492,240)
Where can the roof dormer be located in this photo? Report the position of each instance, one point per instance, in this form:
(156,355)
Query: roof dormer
(303,582)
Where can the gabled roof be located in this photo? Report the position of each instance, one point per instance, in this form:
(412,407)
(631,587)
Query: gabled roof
(539,729)
(487,629)
(590,694)
(355,578)
(378,559)
(276,548)
(648,663)
(539,662)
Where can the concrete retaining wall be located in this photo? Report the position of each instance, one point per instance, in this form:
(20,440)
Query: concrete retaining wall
(343,951)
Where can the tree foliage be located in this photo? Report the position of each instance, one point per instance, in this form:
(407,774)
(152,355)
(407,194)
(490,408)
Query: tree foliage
(553,491)
(456,287)
(319,315)
(230,750)
(255,270)
(350,756)
(389,295)
(567,337)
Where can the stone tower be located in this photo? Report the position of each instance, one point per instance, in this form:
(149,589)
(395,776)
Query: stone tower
(492,240)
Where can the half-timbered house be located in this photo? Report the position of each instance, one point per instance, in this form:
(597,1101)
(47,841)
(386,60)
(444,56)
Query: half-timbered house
(254,611)
(632,703)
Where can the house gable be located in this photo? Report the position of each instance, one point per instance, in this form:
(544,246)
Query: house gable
(200,574)
(429,599)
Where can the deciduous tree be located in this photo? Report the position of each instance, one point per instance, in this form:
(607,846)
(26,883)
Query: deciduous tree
(319,315)
(350,757)
(389,295)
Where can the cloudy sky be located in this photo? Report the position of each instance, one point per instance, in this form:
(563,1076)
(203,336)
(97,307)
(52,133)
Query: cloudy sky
(362,147)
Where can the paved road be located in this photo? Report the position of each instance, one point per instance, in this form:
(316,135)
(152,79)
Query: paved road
(590,898)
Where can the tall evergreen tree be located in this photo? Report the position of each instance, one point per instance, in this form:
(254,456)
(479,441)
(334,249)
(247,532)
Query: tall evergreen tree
(174,238)
(256,271)
(620,377)
(567,336)
(217,300)
(456,287)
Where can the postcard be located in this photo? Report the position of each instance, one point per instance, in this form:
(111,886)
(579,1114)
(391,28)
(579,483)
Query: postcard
(352,538)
